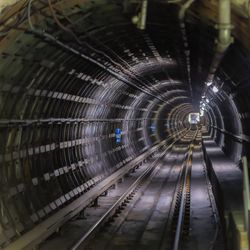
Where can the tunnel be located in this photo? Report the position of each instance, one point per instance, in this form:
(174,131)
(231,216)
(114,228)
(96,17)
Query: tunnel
(94,92)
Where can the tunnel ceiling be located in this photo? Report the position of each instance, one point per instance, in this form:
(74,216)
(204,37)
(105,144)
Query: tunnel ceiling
(110,38)
(103,31)
(102,25)
(72,72)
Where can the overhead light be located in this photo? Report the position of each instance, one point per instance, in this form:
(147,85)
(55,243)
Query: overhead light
(201,112)
(203,97)
(215,89)
(207,100)
(209,83)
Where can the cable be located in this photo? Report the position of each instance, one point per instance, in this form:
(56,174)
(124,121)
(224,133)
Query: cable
(67,47)
(50,37)
(127,71)
(29,19)
(129,66)
(98,51)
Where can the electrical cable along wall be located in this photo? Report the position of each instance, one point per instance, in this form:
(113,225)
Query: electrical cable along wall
(64,93)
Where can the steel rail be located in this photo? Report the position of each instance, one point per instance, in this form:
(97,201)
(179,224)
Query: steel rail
(112,209)
(186,167)
(182,205)
(38,234)
(167,242)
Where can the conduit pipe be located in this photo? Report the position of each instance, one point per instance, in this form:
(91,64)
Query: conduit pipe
(143,15)
(140,19)
(184,8)
(224,36)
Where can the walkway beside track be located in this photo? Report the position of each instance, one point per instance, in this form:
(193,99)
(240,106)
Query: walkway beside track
(227,181)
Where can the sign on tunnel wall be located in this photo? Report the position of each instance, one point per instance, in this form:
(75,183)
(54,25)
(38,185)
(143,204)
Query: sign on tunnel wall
(118,135)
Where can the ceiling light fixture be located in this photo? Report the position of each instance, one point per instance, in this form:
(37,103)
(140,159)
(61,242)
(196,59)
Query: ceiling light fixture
(215,89)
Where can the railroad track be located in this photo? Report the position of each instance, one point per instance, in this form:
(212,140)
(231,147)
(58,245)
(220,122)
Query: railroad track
(151,208)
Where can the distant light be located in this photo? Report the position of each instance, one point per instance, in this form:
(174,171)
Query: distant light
(215,89)
(207,100)
(203,97)
(209,83)
(194,118)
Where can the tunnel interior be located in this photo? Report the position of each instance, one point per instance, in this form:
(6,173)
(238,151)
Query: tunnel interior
(84,91)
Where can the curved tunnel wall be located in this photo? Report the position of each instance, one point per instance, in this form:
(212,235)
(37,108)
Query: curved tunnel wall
(62,98)
(229,108)
(59,111)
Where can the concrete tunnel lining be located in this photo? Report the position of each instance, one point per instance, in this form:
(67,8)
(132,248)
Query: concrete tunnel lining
(59,111)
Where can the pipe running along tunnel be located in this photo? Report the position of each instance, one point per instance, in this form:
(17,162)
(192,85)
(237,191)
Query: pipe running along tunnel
(89,87)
